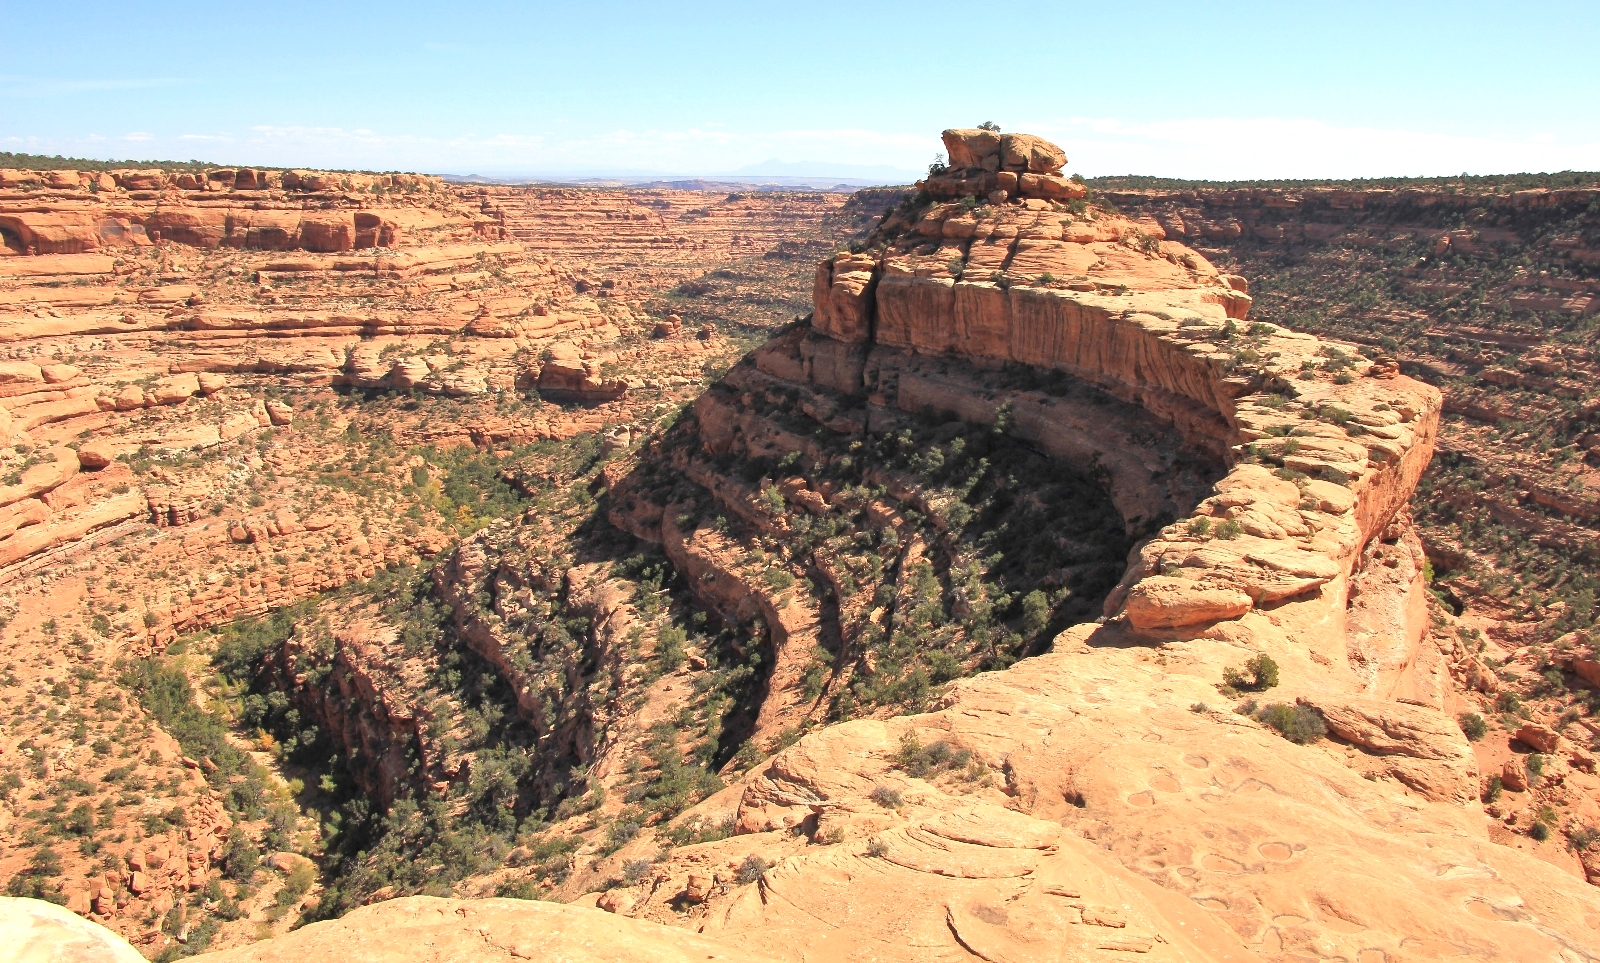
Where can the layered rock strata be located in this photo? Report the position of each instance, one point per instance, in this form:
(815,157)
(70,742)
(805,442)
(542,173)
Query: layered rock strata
(1101,800)
(1111,748)
(73,212)
(194,429)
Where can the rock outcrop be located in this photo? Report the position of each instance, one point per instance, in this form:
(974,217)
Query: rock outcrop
(1032,452)
(261,210)
(988,164)
(39,932)
(1114,735)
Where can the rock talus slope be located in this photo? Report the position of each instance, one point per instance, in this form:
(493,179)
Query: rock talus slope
(1102,800)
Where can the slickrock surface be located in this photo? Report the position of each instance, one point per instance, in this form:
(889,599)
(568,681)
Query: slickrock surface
(457,931)
(1486,289)
(35,931)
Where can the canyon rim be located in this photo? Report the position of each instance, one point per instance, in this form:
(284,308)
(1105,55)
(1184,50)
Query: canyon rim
(992,568)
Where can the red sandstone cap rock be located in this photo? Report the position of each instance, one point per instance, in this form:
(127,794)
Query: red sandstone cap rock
(993,151)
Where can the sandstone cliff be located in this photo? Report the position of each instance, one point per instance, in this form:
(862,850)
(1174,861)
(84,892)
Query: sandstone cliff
(1030,472)
(1317,455)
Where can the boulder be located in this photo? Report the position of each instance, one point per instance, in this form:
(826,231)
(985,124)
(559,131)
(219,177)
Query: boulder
(1026,152)
(567,376)
(1165,602)
(286,862)
(1051,187)
(97,453)
(1514,774)
(697,889)
(972,147)
(144,180)
(174,390)
(619,901)
(1423,747)
(1542,738)
(408,373)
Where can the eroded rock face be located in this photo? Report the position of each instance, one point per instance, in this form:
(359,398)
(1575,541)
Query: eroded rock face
(168,406)
(1167,338)
(1093,801)
(132,209)
(987,164)
(1210,825)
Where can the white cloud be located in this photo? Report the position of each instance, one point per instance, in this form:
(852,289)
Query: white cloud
(139,135)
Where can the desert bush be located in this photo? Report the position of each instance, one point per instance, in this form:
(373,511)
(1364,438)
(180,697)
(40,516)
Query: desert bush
(1472,725)
(240,858)
(887,798)
(1257,674)
(1492,788)
(1300,724)
(635,870)
(752,869)
(921,761)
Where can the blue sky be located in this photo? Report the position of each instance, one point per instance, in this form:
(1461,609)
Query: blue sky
(1224,90)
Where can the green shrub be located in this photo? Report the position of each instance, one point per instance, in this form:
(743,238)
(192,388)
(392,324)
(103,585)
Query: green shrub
(1262,674)
(1300,724)
(301,876)
(669,648)
(921,761)
(1472,725)
(240,858)
(517,889)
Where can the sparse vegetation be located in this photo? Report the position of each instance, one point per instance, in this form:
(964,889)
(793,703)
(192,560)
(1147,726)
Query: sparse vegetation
(1258,674)
(1297,723)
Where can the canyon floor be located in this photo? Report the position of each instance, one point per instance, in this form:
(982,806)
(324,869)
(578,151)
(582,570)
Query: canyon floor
(1034,578)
